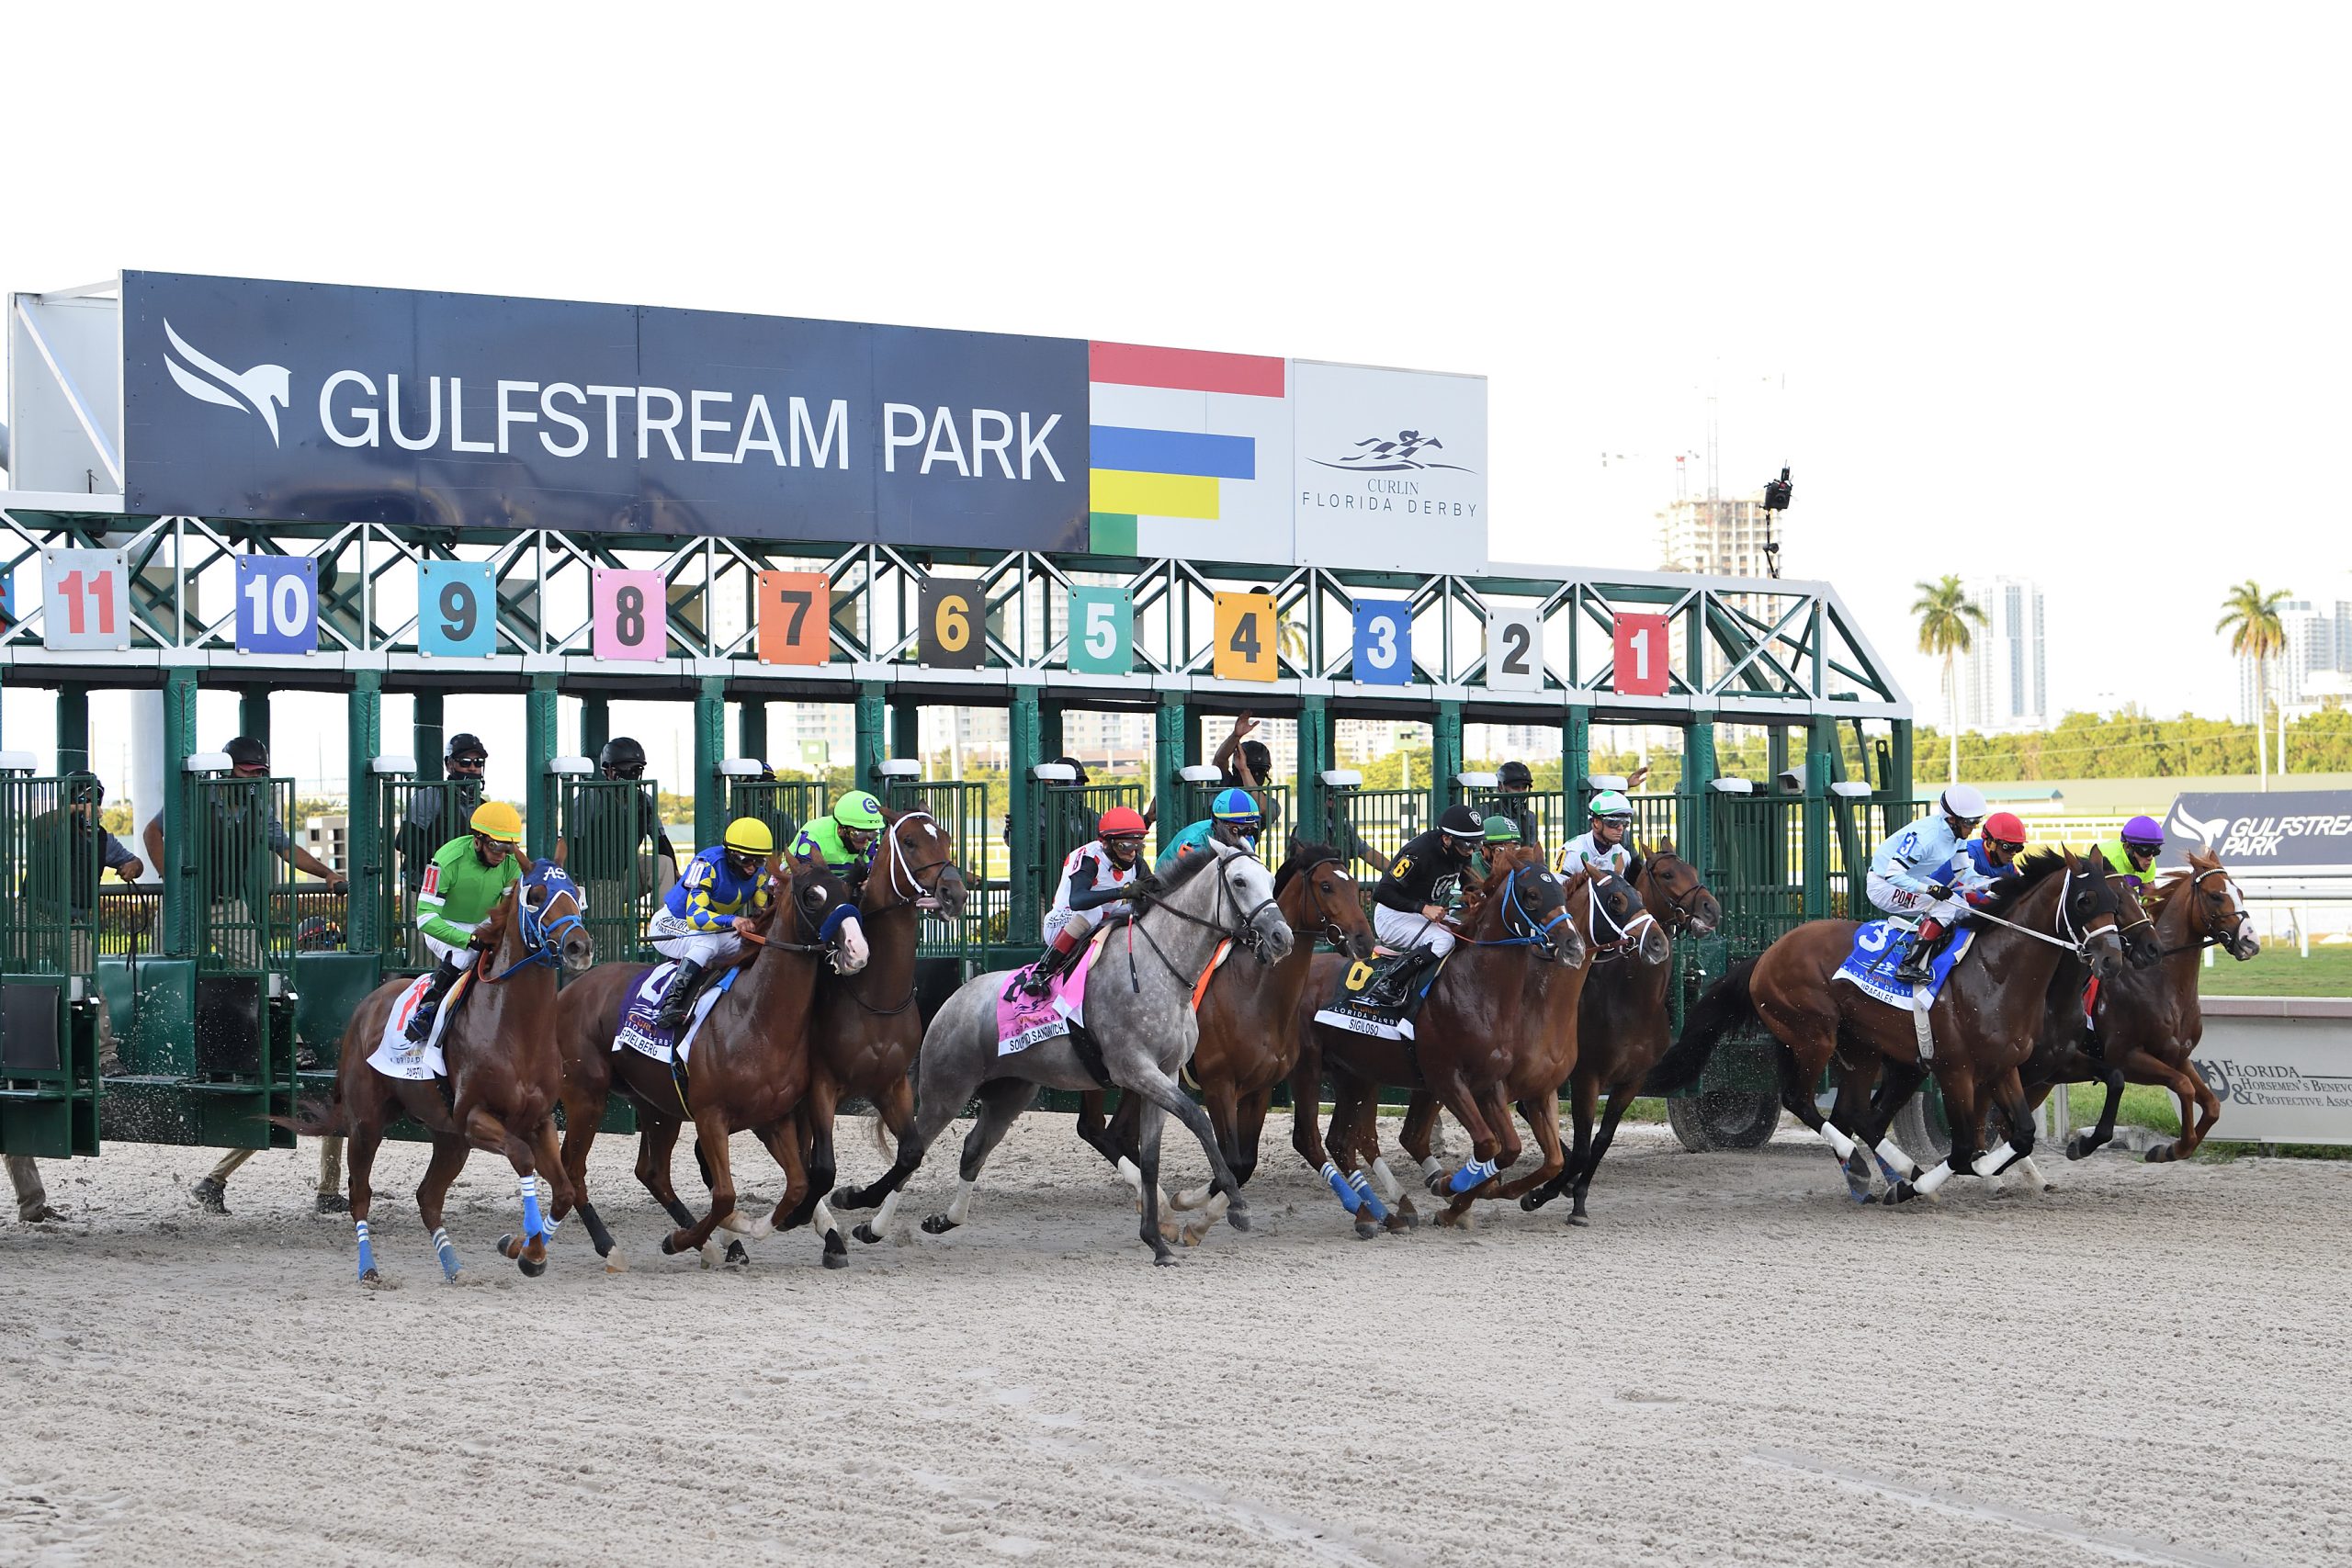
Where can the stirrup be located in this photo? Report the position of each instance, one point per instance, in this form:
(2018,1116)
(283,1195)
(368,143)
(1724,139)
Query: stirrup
(420,1022)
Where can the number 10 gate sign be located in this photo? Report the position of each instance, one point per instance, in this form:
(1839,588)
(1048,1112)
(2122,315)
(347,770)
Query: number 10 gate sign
(1639,665)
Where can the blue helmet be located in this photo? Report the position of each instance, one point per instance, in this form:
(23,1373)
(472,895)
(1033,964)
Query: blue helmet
(1236,806)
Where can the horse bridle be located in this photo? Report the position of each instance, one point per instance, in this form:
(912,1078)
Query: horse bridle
(2211,938)
(907,880)
(1533,933)
(541,936)
(1595,913)
(828,933)
(2074,939)
(1330,930)
(1245,932)
(1680,903)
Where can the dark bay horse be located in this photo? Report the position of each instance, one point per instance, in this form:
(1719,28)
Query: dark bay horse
(1248,1022)
(505,1076)
(866,1027)
(1619,931)
(1504,1006)
(1983,1021)
(749,1068)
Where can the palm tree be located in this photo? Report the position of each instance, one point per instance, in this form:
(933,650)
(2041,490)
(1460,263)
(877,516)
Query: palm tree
(2251,617)
(1944,613)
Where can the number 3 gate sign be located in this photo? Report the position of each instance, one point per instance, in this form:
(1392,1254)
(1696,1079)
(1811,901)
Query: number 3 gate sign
(1244,650)
(86,600)
(1384,641)
(954,627)
(1640,656)
(1102,631)
(629,614)
(454,609)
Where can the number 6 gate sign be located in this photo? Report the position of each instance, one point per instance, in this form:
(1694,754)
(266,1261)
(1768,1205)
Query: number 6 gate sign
(86,600)
(629,614)
(1640,656)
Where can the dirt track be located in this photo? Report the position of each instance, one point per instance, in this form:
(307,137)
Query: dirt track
(1732,1364)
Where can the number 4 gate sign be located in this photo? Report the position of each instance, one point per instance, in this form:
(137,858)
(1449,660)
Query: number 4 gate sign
(1102,631)
(454,599)
(1245,645)
(86,600)
(1640,656)
(629,614)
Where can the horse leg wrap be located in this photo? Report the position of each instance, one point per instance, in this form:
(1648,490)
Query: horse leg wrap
(533,1224)
(1471,1174)
(449,1251)
(1389,1187)
(1373,1205)
(1340,1184)
(1927,1184)
(823,1218)
(1993,1159)
(1839,1144)
(366,1252)
(961,1204)
(1430,1167)
(1890,1155)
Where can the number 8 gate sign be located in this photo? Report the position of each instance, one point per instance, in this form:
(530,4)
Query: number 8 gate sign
(278,604)
(629,612)
(1639,655)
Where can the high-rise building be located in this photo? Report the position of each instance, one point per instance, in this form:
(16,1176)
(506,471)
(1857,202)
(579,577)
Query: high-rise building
(1719,538)
(2318,643)
(2002,684)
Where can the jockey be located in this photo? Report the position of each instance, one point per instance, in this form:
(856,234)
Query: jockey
(1410,902)
(2132,854)
(1094,874)
(844,839)
(1234,820)
(467,878)
(1500,830)
(695,925)
(1994,852)
(1919,866)
(1604,844)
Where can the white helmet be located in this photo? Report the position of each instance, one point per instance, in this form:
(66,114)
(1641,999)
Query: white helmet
(1609,804)
(1963,801)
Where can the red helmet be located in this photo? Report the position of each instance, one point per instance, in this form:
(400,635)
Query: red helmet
(1120,822)
(2004,826)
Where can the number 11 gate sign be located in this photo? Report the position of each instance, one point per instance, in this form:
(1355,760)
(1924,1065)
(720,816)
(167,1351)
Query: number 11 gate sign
(84,600)
(1639,665)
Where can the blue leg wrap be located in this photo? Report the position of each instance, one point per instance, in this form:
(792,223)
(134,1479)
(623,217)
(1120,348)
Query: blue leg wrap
(449,1251)
(533,1225)
(1471,1174)
(1340,1185)
(1372,1203)
(366,1252)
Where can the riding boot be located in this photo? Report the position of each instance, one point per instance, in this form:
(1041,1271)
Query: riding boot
(420,1023)
(1924,948)
(1057,958)
(679,998)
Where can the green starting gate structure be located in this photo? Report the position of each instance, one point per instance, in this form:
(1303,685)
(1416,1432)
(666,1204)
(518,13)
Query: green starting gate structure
(213,1000)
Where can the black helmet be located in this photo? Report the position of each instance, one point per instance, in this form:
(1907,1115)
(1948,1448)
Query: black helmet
(1515,775)
(1077,768)
(464,744)
(245,752)
(621,752)
(1260,760)
(1460,822)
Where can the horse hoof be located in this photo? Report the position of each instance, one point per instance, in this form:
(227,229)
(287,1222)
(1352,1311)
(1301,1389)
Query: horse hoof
(710,1254)
(1403,1222)
(1578,1220)
(866,1233)
(1238,1218)
(1366,1230)
(1164,1259)
(937,1224)
(1901,1192)
(371,1277)
(1436,1184)
(509,1248)
(614,1264)
(670,1244)
(737,1257)
(2080,1146)
(532,1268)
(836,1250)
(2160,1155)
(1528,1203)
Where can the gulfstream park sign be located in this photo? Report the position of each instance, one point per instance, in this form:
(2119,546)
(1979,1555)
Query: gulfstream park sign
(314,402)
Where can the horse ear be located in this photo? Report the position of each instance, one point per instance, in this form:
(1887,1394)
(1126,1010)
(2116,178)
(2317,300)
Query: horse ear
(562,848)
(1665,847)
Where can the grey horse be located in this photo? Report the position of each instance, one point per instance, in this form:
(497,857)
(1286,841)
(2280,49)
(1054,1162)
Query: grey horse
(1138,1016)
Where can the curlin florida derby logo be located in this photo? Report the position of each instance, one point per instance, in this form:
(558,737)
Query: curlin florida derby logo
(1378,455)
(1397,475)
(265,388)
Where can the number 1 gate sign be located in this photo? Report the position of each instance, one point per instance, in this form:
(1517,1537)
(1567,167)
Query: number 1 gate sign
(629,614)
(454,603)
(1640,656)
(85,599)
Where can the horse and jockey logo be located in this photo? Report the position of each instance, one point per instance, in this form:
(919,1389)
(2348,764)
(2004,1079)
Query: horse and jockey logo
(1378,455)
(2216,1076)
(265,388)
(2184,826)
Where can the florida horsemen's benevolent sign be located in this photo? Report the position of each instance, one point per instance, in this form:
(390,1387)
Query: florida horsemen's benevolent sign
(287,402)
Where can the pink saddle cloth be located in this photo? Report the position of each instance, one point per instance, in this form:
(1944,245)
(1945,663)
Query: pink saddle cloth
(1023,1019)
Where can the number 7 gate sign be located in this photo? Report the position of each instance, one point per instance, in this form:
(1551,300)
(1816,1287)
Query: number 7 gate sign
(84,598)
(1640,656)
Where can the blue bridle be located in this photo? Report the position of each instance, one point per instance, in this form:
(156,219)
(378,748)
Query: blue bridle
(1537,933)
(543,938)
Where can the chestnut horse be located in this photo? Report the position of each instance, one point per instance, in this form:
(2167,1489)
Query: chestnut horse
(504,1073)
(1984,1020)
(1248,1022)
(749,1067)
(866,1027)
(1618,931)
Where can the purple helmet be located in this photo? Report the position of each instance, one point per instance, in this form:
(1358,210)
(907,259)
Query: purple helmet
(2145,833)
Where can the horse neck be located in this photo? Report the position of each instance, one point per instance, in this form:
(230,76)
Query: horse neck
(2174,978)
(891,942)
(1285,979)
(2034,961)
(1655,897)
(1188,946)
(779,984)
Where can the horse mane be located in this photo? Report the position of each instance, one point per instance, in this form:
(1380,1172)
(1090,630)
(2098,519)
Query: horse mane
(1190,867)
(1636,864)
(1302,856)
(2034,868)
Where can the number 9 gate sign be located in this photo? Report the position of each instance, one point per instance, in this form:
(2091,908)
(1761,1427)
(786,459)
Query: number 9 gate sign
(278,604)
(628,614)
(454,600)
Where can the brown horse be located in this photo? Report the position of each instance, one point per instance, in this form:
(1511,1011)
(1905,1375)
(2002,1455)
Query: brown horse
(866,1027)
(1502,1010)
(749,1067)
(1623,1022)
(1619,931)
(504,1073)
(1249,1022)
(1984,1020)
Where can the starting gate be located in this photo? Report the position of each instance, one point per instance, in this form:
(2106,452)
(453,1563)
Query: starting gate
(1070,814)
(960,806)
(1368,823)
(50,862)
(784,804)
(417,816)
(1198,798)
(610,829)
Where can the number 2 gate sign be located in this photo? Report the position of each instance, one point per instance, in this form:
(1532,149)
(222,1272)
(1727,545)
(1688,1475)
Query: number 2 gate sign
(1640,656)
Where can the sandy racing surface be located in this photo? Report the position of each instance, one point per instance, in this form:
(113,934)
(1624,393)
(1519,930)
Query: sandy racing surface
(1732,1364)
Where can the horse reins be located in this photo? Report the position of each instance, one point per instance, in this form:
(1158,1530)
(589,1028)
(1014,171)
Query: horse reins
(541,936)
(1244,933)
(913,893)
(2211,938)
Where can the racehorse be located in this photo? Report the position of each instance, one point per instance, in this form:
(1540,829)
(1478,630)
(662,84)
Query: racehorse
(749,1067)
(1499,1024)
(1984,1020)
(1249,1024)
(866,1030)
(1622,1024)
(2147,1019)
(503,1074)
(1137,1027)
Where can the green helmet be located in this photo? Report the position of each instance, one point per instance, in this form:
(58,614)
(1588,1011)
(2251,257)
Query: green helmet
(1502,830)
(859,810)
(1609,803)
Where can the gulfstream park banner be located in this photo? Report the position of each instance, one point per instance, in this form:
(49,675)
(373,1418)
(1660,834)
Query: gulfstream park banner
(2285,831)
(289,402)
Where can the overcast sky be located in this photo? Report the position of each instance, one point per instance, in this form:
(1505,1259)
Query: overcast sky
(2058,291)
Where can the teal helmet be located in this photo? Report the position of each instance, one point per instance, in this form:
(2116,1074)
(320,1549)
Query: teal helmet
(1236,806)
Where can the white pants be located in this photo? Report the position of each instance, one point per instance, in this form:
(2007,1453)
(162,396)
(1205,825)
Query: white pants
(673,936)
(1886,895)
(1402,931)
(448,952)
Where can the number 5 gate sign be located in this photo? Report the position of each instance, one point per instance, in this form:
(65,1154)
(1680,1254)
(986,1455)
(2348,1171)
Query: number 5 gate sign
(86,600)
(1640,656)
(629,614)
(1102,631)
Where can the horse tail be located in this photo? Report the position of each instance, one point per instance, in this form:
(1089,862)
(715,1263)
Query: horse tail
(1725,1005)
(316,1118)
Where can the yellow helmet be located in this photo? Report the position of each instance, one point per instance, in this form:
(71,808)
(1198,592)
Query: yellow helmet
(496,820)
(750,836)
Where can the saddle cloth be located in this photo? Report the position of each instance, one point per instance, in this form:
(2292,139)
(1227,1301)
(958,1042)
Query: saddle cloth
(641,1034)
(1880,947)
(1023,1019)
(1379,997)
(398,1057)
